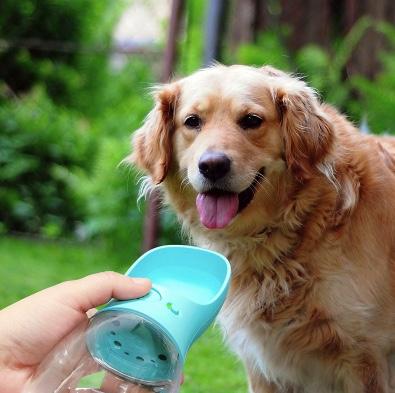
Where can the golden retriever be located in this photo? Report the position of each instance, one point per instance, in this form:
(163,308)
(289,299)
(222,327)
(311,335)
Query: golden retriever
(303,205)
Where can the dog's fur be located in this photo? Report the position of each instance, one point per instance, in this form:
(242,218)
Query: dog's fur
(311,306)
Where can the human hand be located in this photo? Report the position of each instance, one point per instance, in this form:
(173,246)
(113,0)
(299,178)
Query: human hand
(31,328)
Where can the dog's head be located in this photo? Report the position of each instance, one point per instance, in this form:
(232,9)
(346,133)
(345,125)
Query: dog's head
(224,132)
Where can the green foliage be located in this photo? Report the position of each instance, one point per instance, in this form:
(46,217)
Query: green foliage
(117,101)
(313,61)
(191,49)
(269,49)
(377,97)
(324,70)
(78,117)
(111,196)
(40,145)
(111,192)
(101,202)
(46,42)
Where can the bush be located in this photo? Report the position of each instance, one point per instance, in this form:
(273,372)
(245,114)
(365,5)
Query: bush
(117,101)
(40,145)
(110,195)
(61,145)
(376,101)
(268,49)
(46,39)
(110,192)
(377,97)
(46,138)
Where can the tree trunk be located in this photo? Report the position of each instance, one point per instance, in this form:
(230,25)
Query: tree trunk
(152,218)
(309,22)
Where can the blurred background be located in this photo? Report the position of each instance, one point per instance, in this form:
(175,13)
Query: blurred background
(74,84)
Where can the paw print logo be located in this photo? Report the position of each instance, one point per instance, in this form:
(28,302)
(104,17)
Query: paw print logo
(172,309)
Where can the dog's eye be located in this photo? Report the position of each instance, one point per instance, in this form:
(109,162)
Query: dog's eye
(193,121)
(250,121)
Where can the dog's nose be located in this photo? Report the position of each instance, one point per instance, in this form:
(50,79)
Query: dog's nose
(214,165)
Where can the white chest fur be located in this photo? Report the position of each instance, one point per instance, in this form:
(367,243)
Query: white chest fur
(258,347)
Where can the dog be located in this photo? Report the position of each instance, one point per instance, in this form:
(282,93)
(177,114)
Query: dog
(303,206)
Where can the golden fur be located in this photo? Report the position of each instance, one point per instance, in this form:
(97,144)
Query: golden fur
(311,306)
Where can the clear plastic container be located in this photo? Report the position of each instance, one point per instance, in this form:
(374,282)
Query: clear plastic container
(116,352)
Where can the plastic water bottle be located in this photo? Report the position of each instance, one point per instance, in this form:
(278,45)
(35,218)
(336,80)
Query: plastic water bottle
(140,345)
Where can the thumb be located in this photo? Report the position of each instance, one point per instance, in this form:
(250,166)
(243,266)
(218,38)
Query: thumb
(97,289)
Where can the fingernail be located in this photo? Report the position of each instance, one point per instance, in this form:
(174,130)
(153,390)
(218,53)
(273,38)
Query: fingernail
(141,281)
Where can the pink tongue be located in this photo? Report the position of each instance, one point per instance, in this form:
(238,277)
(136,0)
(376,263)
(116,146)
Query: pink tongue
(216,211)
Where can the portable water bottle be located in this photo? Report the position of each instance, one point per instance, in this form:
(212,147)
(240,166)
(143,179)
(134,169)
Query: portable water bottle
(140,345)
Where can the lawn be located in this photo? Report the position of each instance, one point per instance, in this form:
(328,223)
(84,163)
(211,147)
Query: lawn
(30,265)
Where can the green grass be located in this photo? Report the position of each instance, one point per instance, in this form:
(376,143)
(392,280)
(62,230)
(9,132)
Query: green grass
(27,266)
(211,368)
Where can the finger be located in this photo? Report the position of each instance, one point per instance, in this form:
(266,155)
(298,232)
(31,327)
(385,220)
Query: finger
(90,313)
(97,289)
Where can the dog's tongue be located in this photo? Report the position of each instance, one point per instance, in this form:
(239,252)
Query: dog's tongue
(216,211)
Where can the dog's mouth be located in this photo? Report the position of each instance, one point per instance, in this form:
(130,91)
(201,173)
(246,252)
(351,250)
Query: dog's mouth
(217,207)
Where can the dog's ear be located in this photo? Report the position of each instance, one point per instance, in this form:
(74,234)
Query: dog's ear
(307,133)
(152,143)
